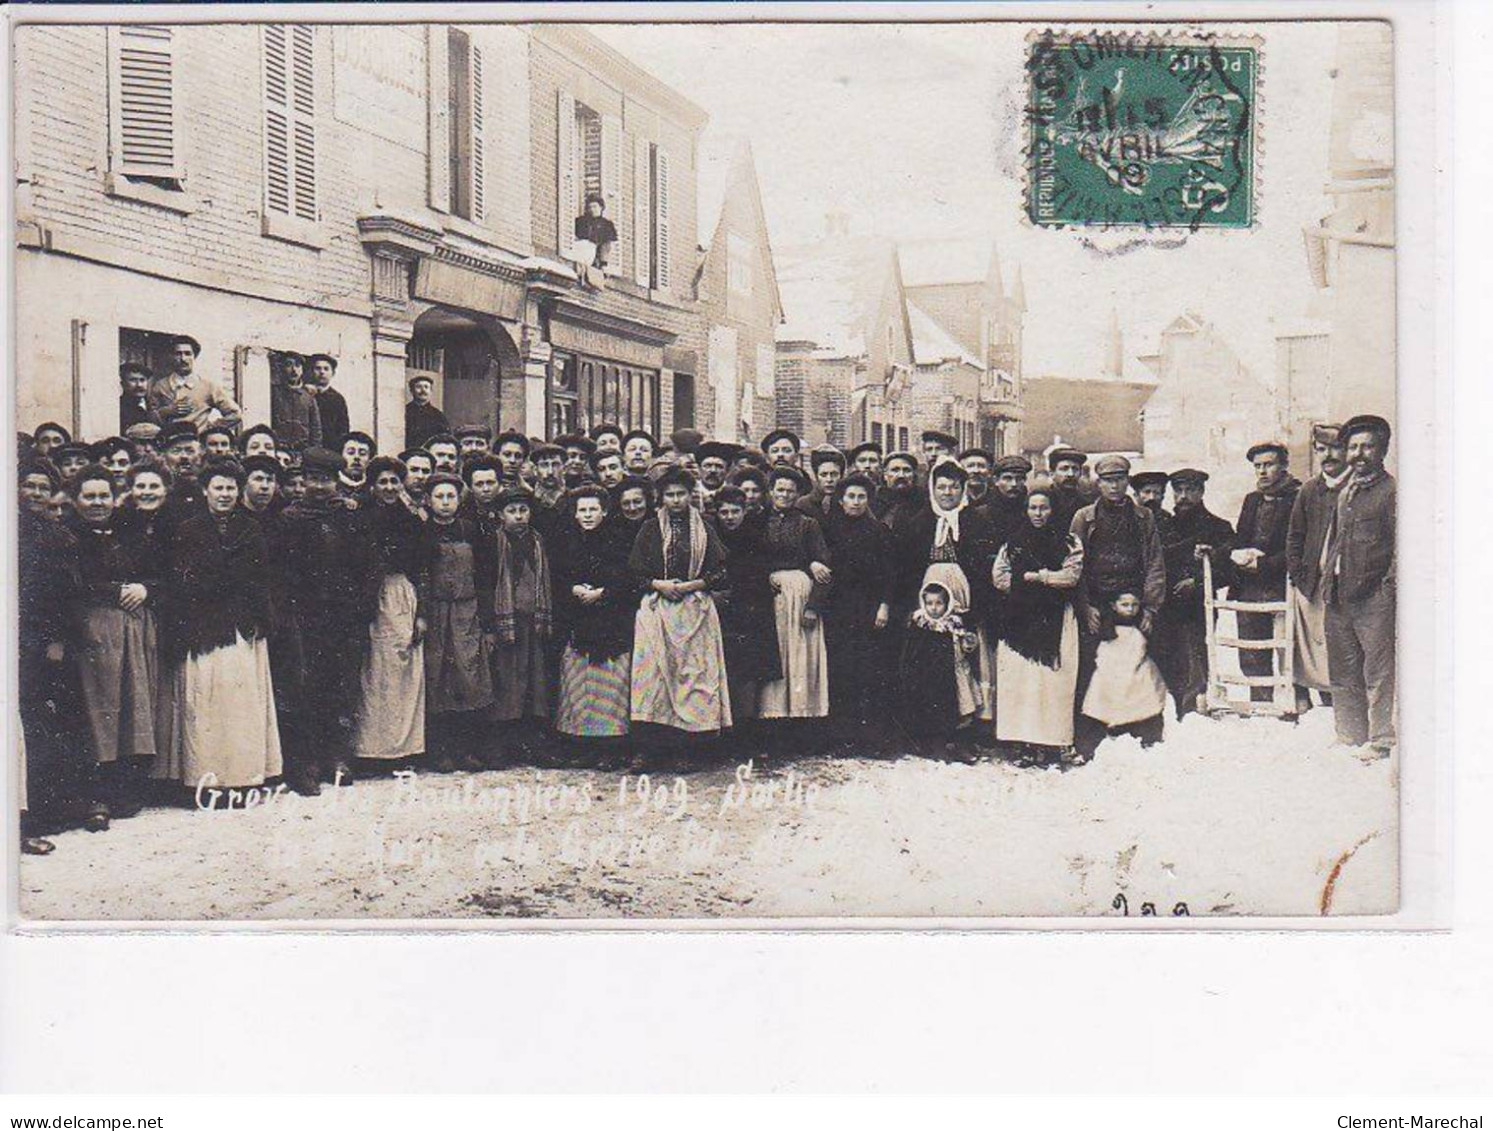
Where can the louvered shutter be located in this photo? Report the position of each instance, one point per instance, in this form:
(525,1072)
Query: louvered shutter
(438,115)
(147,141)
(290,120)
(642,212)
(611,182)
(566,193)
(478,143)
(664,228)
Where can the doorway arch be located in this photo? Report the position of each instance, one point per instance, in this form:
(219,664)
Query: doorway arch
(471,358)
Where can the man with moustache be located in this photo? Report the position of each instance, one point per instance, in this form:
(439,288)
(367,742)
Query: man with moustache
(1065,465)
(184,395)
(1359,576)
(1306,549)
(1005,502)
(900,496)
(422,419)
(1191,533)
(715,458)
(977,464)
(295,412)
(866,459)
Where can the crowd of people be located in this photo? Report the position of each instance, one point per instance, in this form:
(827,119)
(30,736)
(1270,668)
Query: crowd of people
(209,606)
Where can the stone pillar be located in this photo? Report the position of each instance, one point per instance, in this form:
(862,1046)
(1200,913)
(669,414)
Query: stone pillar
(535,353)
(391,337)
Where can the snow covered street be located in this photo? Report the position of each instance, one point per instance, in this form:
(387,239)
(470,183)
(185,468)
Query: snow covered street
(1236,817)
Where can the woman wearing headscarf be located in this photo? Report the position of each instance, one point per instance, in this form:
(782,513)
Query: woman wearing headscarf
(116,654)
(224,731)
(951,545)
(1037,570)
(391,710)
(748,624)
(596,600)
(799,560)
(859,611)
(678,657)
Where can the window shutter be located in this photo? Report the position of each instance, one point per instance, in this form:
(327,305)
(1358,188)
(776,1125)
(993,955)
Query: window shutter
(663,233)
(642,212)
(438,117)
(147,140)
(479,137)
(290,120)
(303,110)
(565,191)
(611,182)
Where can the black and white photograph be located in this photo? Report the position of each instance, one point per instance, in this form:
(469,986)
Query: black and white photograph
(687,472)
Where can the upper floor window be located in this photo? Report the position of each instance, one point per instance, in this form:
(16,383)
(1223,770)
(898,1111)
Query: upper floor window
(145,142)
(290,141)
(589,184)
(738,265)
(467,150)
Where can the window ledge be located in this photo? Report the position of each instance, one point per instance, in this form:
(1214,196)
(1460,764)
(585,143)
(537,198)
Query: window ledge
(293,229)
(172,200)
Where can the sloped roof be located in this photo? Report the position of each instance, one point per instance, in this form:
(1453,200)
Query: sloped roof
(1091,415)
(717,153)
(927,263)
(931,343)
(829,292)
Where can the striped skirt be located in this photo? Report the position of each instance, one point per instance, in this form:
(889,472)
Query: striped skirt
(595,698)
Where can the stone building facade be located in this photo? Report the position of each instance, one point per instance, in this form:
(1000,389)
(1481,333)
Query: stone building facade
(393,195)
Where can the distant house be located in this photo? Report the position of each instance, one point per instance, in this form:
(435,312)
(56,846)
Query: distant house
(947,378)
(957,283)
(737,288)
(844,350)
(1094,415)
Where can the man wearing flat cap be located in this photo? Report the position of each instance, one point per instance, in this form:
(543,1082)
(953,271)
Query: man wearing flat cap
(1312,516)
(866,459)
(715,458)
(977,465)
(1066,465)
(1122,554)
(295,412)
(1005,502)
(937,443)
(781,446)
(476,440)
(900,495)
(422,420)
(1191,533)
(1259,559)
(1150,492)
(1359,577)
(184,395)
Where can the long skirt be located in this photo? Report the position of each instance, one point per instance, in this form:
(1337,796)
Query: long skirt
(391,712)
(457,675)
(803,692)
(1311,642)
(595,700)
(977,676)
(117,672)
(679,665)
(1036,702)
(224,722)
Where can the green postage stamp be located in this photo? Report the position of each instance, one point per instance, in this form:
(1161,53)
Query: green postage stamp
(1137,129)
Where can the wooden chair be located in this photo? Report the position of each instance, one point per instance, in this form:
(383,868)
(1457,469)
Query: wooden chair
(1282,642)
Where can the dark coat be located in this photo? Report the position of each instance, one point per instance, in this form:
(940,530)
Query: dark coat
(331,406)
(1181,534)
(218,585)
(1152,563)
(295,415)
(912,548)
(1365,539)
(749,627)
(421,422)
(136,410)
(1264,521)
(1311,518)
(601,631)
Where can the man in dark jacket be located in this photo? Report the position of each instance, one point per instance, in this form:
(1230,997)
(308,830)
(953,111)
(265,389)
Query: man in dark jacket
(1312,517)
(1259,560)
(295,412)
(1359,583)
(422,420)
(1122,551)
(328,555)
(1066,467)
(331,405)
(134,397)
(1191,533)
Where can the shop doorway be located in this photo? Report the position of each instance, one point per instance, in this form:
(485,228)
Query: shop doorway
(458,352)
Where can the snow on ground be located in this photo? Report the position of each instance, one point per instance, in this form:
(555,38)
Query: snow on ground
(1233,817)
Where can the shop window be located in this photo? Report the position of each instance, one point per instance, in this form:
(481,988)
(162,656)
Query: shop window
(587,391)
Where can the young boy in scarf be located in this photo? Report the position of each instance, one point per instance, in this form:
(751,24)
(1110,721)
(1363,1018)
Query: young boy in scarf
(521,623)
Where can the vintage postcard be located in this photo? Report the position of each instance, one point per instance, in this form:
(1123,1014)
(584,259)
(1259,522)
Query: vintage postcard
(712,472)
